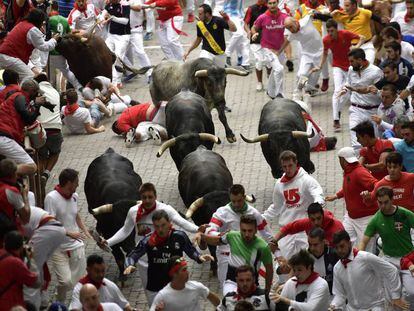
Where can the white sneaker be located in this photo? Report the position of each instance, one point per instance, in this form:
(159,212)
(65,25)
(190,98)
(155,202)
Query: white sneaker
(155,135)
(259,87)
(130,137)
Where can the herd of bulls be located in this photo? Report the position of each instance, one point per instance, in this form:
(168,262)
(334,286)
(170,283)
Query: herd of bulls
(192,90)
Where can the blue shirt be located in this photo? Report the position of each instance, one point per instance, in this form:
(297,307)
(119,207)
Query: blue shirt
(65,6)
(407,152)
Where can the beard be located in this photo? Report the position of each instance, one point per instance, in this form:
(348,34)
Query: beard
(356,68)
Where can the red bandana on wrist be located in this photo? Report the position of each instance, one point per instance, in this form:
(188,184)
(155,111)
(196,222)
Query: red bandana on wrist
(144,211)
(346,261)
(87,280)
(70,109)
(58,188)
(241,295)
(314,275)
(287,179)
(180,263)
(156,240)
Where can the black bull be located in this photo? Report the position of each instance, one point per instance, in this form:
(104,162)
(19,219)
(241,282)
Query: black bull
(281,128)
(89,57)
(111,179)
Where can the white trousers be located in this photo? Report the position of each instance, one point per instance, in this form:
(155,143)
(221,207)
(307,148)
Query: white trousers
(356,116)
(170,39)
(356,228)
(38,59)
(306,64)
(68,270)
(136,49)
(118,44)
(219,60)
(149,15)
(60,63)
(369,50)
(8,62)
(44,242)
(258,56)
(222,263)
(275,82)
(239,41)
(339,77)
(143,128)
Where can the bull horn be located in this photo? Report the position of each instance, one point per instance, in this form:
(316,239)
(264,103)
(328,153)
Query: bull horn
(260,138)
(234,71)
(168,144)
(193,207)
(250,198)
(201,73)
(83,39)
(302,134)
(103,209)
(210,137)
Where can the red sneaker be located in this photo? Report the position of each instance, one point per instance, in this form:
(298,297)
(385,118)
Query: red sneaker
(190,18)
(325,85)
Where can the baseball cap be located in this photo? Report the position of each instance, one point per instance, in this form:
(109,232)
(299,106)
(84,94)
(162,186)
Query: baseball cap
(348,154)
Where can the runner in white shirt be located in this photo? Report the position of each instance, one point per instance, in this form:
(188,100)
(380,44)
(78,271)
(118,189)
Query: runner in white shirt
(108,290)
(68,262)
(89,298)
(364,104)
(310,41)
(182,294)
(363,281)
(45,235)
(83,16)
(406,19)
(140,217)
(292,195)
(227,218)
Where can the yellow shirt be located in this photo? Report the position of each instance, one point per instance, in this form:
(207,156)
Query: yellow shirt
(359,23)
(303,10)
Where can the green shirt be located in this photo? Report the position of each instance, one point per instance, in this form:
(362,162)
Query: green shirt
(58,24)
(394,231)
(242,253)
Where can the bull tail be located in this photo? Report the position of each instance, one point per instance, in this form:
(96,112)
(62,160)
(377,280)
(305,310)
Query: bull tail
(140,71)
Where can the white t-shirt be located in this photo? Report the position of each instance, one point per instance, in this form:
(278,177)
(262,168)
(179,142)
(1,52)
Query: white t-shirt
(83,21)
(407,51)
(64,211)
(110,306)
(186,299)
(50,120)
(406,28)
(308,37)
(136,18)
(108,292)
(36,215)
(76,121)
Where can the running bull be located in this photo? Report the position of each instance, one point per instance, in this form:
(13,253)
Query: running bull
(201,76)
(111,179)
(282,127)
(189,124)
(92,53)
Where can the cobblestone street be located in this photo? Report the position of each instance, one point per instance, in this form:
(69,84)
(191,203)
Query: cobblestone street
(245,161)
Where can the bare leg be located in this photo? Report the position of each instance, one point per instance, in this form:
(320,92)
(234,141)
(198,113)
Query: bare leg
(259,75)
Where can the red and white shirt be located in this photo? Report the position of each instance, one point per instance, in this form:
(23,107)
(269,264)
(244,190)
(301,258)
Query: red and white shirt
(83,20)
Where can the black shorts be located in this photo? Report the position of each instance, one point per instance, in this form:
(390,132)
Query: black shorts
(52,146)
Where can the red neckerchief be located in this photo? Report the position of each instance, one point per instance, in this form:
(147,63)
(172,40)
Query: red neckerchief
(87,280)
(407,18)
(58,188)
(156,240)
(143,211)
(53,13)
(70,109)
(240,296)
(350,167)
(286,179)
(268,13)
(346,261)
(76,6)
(312,277)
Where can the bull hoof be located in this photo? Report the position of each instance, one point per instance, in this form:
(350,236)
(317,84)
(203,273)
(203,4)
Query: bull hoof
(231,139)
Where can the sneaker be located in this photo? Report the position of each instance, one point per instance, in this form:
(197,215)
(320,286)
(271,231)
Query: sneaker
(190,18)
(130,77)
(267,93)
(134,102)
(312,93)
(148,36)
(227,109)
(289,64)
(337,126)
(155,135)
(43,178)
(280,95)
(149,79)
(325,85)
(239,60)
(259,87)
(129,138)
(228,61)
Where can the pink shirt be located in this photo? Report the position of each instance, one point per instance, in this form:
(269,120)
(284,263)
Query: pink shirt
(272,26)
